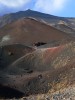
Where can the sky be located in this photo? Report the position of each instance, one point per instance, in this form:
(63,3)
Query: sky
(64,8)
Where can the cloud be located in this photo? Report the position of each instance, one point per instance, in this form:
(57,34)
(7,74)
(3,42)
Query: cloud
(14,3)
(9,6)
(46,6)
(49,6)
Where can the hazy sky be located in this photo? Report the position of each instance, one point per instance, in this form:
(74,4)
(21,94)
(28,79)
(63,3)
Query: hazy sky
(55,7)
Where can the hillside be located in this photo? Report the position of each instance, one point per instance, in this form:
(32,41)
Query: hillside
(37,56)
(10,53)
(49,19)
(43,70)
(29,31)
(28,13)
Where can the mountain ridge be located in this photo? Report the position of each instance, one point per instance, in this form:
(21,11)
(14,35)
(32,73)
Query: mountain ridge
(30,31)
(30,13)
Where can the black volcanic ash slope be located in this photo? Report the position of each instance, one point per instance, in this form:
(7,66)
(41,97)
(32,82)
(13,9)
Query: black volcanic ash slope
(10,53)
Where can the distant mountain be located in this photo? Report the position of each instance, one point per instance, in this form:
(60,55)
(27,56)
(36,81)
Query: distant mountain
(28,13)
(29,31)
(49,19)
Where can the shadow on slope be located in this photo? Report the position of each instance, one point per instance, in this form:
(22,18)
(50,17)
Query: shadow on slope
(10,53)
(7,92)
